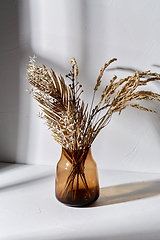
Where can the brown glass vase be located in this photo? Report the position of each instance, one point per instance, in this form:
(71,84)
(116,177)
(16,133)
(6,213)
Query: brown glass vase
(77,178)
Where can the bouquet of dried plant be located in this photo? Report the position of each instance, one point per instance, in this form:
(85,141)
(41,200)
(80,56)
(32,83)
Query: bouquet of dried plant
(74,124)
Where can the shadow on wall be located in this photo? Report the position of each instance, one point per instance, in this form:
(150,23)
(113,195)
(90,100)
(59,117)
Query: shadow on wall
(14,104)
(155,65)
(9,67)
(132,70)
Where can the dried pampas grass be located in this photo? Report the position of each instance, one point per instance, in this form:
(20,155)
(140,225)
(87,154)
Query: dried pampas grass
(73,125)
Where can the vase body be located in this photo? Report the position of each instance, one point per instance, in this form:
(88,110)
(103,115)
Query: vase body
(77,178)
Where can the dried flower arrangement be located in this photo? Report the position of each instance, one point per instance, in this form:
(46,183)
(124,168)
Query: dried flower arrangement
(72,126)
(75,125)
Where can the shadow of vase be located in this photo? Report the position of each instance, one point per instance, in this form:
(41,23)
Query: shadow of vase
(127,192)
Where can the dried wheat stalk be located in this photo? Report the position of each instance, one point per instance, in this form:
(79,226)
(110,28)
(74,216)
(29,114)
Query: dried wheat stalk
(73,126)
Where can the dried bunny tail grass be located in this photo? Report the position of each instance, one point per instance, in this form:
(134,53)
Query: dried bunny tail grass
(124,87)
(145,95)
(73,61)
(108,91)
(127,90)
(73,125)
(136,105)
(101,73)
(99,81)
(122,95)
(127,94)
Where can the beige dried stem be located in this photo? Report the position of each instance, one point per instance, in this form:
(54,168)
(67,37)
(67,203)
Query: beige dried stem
(72,125)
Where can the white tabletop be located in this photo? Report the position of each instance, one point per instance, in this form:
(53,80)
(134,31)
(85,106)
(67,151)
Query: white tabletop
(128,207)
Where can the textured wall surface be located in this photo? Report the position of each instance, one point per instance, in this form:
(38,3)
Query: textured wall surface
(93,31)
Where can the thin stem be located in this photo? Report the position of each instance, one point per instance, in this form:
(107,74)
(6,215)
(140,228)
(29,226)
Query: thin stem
(74,103)
(94,93)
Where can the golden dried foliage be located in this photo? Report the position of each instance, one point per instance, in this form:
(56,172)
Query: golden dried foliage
(72,125)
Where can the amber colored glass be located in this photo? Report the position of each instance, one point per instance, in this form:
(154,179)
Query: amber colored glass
(77,178)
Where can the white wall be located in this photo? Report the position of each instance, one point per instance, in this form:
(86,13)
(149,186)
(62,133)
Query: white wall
(93,31)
